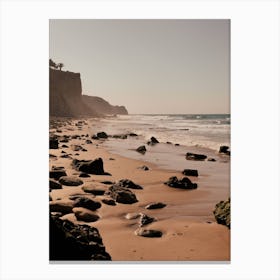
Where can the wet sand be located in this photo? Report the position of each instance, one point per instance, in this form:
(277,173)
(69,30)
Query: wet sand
(190,232)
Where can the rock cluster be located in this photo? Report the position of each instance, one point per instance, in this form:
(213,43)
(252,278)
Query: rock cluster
(184,183)
(75,242)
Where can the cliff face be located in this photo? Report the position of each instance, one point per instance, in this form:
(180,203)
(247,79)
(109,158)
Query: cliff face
(66,95)
(101,106)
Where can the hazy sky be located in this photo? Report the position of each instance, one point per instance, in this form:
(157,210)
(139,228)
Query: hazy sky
(150,66)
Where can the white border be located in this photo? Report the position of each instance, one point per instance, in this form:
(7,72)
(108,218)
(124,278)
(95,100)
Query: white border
(255,138)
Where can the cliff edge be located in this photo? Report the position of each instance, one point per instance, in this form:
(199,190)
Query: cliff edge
(66,99)
(66,95)
(101,106)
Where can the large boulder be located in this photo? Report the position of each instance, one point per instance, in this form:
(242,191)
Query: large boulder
(54,185)
(56,174)
(89,166)
(95,188)
(192,156)
(85,215)
(122,195)
(190,172)
(53,143)
(87,203)
(126,183)
(75,242)
(62,206)
(222,213)
(70,181)
(109,201)
(184,183)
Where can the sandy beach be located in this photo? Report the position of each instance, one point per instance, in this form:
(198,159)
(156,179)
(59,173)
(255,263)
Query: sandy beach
(189,230)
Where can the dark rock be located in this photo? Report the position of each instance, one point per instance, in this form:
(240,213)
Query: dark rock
(184,183)
(145,220)
(76,136)
(84,175)
(109,201)
(132,134)
(120,136)
(50,198)
(61,206)
(54,185)
(177,144)
(157,205)
(94,137)
(56,174)
(148,232)
(144,167)
(53,156)
(70,181)
(89,166)
(168,142)
(224,149)
(222,213)
(84,150)
(76,154)
(65,156)
(211,159)
(126,183)
(96,190)
(192,156)
(86,203)
(102,135)
(75,196)
(64,146)
(75,242)
(141,150)
(107,182)
(85,215)
(154,140)
(56,168)
(111,158)
(63,152)
(88,141)
(190,172)
(122,195)
(53,143)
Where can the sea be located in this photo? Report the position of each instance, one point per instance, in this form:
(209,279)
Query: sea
(199,130)
(196,133)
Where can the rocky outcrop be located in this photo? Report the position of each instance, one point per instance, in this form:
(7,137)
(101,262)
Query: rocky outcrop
(75,242)
(102,106)
(222,213)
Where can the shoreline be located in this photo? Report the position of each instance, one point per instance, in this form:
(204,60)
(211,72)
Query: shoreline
(187,223)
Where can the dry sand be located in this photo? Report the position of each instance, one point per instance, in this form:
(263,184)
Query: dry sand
(190,232)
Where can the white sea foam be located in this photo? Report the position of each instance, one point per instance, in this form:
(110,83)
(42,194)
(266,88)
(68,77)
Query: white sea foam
(210,131)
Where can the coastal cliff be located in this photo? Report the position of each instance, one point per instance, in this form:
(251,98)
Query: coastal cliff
(66,99)
(66,95)
(101,106)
